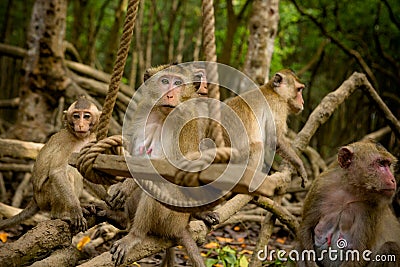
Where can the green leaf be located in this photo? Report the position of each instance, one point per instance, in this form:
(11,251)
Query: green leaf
(211,262)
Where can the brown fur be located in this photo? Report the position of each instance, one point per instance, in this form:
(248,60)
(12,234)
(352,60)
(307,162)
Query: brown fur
(283,94)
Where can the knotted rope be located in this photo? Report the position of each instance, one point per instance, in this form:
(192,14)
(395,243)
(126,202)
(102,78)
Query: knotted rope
(174,197)
(88,155)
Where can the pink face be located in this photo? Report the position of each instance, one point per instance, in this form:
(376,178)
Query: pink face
(170,87)
(388,182)
(82,123)
(299,94)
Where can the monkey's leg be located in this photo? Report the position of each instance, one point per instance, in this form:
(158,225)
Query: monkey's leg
(192,249)
(64,201)
(169,258)
(286,151)
(256,155)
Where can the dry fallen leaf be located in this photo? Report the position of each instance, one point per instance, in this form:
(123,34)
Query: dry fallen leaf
(3,237)
(224,239)
(245,251)
(281,240)
(240,239)
(83,242)
(211,245)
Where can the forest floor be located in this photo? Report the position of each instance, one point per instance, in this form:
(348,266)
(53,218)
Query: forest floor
(228,243)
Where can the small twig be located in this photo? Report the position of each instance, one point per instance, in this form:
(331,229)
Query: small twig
(21,190)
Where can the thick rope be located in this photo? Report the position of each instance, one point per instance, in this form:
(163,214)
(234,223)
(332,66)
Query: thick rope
(212,71)
(217,155)
(88,155)
(118,70)
(159,191)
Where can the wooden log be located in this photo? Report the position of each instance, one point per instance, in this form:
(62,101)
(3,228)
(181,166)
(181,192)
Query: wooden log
(117,166)
(19,149)
(36,243)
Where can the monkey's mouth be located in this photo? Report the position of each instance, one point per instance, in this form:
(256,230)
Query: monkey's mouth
(81,133)
(388,192)
(168,106)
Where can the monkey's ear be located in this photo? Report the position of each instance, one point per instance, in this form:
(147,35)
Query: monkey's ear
(345,156)
(278,78)
(146,75)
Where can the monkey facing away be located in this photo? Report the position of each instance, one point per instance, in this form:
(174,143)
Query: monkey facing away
(57,185)
(284,96)
(163,93)
(348,209)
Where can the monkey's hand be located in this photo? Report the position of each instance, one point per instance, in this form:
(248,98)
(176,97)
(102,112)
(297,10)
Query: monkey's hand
(122,247)
(209,217)
(118,193)
(75,219)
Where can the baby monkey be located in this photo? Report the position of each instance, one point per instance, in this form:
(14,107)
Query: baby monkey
(57,185)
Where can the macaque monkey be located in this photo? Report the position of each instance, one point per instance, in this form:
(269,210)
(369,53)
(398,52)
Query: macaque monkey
(57,185)
(348,209)
(284,96)
(163,93)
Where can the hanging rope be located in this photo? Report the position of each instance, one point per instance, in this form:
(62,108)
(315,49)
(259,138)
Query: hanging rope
(212,71)
(89,153)
(118,70)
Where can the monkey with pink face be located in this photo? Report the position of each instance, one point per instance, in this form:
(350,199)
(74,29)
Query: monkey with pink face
(347,210)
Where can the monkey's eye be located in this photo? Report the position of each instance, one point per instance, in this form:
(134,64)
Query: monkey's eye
(199,75)
(164,81)
(384,163)
(87,116)
(76,116)
(178,82)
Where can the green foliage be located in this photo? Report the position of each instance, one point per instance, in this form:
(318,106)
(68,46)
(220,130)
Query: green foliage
(226,256)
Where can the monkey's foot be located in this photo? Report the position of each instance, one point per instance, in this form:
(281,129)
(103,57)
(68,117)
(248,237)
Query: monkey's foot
(122,247)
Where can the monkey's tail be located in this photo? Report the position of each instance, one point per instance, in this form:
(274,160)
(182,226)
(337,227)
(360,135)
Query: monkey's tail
(25,214)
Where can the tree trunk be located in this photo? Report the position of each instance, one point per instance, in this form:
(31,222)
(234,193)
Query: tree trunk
(114,36)
(149,40)
(263,27)
(43,72)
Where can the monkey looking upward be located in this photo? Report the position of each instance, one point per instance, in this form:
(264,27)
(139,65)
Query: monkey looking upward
(57,185)
(348,209)
(283,93)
